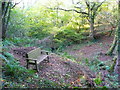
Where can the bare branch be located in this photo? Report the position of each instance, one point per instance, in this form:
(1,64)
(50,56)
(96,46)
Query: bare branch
(88,5)
(77,7)
(93,6)
(77,2)
(73,10)
(100,5)
(15,4)
(97,8)
(69,10)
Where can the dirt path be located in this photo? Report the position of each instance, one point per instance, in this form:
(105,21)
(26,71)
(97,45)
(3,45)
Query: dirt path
(96,50)
(91,51)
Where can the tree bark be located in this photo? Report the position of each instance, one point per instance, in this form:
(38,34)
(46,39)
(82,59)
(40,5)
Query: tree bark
(6,9)
(3,30)
(91,29)
(5,16)
(117,66)
(112,48)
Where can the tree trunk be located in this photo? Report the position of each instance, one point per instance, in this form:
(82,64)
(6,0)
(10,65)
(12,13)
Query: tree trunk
(117,66)
(112,48)
(6,9)
(3,29)
(0,21)
(91,35)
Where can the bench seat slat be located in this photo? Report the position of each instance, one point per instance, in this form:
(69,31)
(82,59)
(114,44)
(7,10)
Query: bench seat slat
(41,58)
(32,59)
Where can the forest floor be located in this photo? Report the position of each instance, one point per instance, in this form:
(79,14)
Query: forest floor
(63,70)
(92,50)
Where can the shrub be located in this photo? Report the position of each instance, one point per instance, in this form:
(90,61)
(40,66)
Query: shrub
(18,41)
(12,69)
(68,37)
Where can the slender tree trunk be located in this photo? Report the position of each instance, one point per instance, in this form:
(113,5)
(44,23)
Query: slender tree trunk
(91,35)
(3,31)
(117,66)
(0,21)
(112,48)
(6,9)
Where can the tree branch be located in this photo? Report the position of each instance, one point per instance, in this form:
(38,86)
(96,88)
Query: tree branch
(97,8)
(72,10)
(15,4)
(93,6)
(77,7)
(100,5)
(88,5)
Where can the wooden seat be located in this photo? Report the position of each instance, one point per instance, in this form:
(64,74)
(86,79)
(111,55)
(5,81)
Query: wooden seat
(36,56)
(41,58)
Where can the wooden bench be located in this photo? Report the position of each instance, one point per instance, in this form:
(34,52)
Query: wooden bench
(36,56)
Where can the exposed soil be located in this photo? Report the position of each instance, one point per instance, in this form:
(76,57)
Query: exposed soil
(58,69)
(63,70)
(90,51)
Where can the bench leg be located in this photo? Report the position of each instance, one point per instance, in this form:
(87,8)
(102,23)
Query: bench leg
(48,58)
(27,65)
(37,68)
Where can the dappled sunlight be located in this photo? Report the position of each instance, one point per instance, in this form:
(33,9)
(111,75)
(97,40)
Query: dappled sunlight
(60,44)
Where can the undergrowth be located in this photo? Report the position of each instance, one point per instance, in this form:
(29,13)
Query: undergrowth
(103,75)
(16,76)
